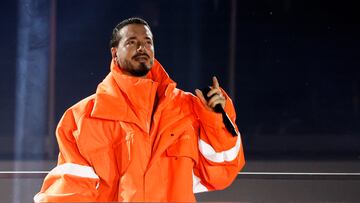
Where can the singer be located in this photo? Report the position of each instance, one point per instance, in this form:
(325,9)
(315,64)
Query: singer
(139,138)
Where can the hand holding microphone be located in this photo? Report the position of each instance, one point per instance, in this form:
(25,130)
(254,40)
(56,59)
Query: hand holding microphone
(214,100)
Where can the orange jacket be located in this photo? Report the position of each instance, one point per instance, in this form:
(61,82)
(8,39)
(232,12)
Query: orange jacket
(115,147)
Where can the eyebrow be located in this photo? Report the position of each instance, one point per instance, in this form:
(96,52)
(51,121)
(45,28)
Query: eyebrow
(130,38)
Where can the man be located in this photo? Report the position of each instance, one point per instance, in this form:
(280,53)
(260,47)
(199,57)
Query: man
(139,138)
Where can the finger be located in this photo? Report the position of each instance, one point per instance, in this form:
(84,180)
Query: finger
(216,99)
(215,82)
(200,95)
(216,102)
(214,91)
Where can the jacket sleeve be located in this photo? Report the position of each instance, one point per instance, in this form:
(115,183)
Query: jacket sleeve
(73,179)
(221,155)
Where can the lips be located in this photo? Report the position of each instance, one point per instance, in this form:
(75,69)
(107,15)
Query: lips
(141,57)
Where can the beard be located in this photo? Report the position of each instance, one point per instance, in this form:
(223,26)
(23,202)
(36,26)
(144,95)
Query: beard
(141,70)
(138,70)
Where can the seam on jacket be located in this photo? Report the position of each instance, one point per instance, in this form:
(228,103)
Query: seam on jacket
(82,108)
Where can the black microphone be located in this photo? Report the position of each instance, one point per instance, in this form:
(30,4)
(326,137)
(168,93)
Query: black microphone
(218,109)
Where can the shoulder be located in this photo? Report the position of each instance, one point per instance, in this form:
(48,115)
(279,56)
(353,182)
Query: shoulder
(82,108)
(183,95)
(188,97)
(185,99)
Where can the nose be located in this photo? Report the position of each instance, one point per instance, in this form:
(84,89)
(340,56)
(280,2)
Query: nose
(141,48)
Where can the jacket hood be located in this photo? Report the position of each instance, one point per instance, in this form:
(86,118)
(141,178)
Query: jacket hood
(156,74)
(127,98)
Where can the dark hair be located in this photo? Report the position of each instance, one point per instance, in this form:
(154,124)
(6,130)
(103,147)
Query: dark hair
(115,37)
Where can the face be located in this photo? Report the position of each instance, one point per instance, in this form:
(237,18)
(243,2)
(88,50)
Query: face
(135,51)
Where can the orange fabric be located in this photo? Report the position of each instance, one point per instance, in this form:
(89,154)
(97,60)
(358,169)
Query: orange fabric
(141,138)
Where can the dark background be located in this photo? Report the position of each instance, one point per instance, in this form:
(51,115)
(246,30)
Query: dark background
(297,65)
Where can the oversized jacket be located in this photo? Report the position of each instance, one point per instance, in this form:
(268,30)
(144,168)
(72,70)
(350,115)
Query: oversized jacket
(115,146)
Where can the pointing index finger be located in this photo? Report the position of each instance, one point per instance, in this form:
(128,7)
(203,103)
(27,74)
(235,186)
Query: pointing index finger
(215,82)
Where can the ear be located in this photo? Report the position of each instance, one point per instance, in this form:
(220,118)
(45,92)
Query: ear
(113,53)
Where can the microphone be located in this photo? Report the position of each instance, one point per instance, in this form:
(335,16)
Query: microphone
(218,109)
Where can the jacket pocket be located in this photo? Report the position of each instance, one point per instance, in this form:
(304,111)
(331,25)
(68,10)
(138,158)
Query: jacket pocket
(183,147)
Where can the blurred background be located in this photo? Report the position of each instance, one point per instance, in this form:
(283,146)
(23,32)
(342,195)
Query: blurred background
(291,67)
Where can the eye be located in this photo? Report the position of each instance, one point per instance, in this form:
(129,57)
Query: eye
(131,42)
(149,42)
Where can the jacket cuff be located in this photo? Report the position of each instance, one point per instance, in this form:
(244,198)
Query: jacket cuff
(213,129)
(211,118)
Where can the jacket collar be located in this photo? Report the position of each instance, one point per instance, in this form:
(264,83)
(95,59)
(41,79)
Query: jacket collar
(131,99)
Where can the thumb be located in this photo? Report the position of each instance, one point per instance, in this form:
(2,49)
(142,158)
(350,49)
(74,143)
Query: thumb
(200,95)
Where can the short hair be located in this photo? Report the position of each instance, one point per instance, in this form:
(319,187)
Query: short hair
(115,37)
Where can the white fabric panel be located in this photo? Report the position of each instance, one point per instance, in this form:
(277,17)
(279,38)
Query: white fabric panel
(209,153)
(74,169)
(71,169)
(37,198)
(197,186)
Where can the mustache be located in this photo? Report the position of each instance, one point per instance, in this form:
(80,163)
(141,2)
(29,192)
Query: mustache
(143,54)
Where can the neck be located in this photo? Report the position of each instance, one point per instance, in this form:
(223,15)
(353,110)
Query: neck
(132,75)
